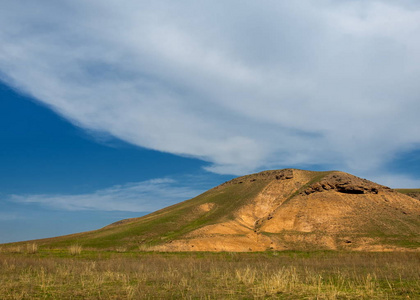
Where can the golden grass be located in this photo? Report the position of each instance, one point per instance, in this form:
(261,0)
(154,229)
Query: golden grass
(13,249)
(121,249)
(111,275)
(143,247)
(75,249)
(31,248)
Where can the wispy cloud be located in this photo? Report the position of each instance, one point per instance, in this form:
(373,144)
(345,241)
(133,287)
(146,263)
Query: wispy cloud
(244,86)
(143,196)
(9,216)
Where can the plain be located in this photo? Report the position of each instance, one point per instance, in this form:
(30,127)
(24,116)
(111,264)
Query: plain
(32,273)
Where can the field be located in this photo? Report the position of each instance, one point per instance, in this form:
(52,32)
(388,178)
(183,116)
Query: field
(76,273)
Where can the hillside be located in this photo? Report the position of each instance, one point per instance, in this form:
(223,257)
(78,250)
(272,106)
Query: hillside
(277,210)
(414,193)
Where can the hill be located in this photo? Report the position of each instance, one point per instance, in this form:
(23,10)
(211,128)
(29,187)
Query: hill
(279,210)
(414,193)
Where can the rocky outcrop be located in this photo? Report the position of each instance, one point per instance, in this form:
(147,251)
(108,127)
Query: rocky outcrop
(345,183)
(284,174)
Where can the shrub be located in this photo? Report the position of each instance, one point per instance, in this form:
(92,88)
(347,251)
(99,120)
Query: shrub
(75,249)
(31,248)
(121,249)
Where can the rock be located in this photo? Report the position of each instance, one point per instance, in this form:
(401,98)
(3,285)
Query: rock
(288,173)
(346,184)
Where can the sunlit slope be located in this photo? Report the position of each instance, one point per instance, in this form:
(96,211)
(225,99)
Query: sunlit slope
(277,210)
(310,210)
(213,206)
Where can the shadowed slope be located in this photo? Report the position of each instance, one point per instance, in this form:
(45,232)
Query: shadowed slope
(281,209)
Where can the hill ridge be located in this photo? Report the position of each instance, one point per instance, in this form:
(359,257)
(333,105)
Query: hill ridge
(275,209)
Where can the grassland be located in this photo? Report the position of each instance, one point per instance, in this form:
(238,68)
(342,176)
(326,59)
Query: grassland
(406,191)
(415,193)
(26,273)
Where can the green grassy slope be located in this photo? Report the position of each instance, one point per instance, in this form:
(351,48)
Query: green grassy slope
(166,224)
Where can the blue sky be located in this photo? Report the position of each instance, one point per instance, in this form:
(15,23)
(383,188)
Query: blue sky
(57,178)
(112,109)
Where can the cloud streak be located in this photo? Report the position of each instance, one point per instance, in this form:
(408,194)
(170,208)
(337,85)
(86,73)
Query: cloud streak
(5,217)
(244,86)
(145,196)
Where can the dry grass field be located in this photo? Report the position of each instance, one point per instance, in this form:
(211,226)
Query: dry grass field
(65,274)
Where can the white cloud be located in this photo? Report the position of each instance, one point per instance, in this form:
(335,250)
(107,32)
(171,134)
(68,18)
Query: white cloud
(396,181)
(143,196)
(242,85)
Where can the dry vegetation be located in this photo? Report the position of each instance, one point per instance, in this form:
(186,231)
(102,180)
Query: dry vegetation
(31,248)
(75,249)
(136,275)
